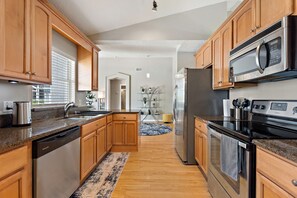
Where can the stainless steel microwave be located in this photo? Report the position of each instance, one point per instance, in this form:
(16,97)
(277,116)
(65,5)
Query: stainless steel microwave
(270,55)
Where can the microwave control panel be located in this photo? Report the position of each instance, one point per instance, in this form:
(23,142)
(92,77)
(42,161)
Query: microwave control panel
(274,49)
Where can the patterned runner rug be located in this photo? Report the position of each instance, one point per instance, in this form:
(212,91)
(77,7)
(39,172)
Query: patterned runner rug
(102,181)
(150,129)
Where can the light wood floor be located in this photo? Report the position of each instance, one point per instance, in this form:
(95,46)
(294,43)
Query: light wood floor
(155,171)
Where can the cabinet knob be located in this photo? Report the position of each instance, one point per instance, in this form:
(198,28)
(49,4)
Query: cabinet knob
(253,30)
(28,73)
(294,182)
(34,74)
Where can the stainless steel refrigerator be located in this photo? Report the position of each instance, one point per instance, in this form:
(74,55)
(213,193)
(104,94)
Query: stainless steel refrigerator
(193,95)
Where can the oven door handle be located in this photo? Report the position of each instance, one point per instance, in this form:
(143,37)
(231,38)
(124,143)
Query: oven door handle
(258,63)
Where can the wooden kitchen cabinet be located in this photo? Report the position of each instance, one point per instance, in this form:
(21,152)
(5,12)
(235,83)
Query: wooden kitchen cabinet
(41,41)
(101,143)
(84,60)
(125,132)
(204,56)
(269,12)
(274,176)
(95,70)
(109,136)
(201,145)
(222,47)
(15,173)
(88,154)
(244,23)
(15,38)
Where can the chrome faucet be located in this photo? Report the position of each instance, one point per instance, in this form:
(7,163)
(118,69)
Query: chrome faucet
(67,108)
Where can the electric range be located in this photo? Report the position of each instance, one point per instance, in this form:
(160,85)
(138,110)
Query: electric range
(271,119)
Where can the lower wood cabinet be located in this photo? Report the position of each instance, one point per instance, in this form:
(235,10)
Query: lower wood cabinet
(15,173)
(88,154)
(201,145)
(109,136)
(101,143)
(93,145)
(125,132)
(275,176)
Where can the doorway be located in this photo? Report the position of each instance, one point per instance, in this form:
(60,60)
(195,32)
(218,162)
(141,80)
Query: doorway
(118,95)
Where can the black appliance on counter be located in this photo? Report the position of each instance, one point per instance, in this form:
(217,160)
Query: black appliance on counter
(271,119)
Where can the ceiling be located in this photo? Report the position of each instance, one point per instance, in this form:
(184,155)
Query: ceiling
(96,16)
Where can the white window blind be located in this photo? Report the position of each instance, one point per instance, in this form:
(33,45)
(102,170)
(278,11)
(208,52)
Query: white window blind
(62,89)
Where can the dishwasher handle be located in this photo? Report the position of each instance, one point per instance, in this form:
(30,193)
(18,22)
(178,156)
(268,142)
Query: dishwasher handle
(53,142)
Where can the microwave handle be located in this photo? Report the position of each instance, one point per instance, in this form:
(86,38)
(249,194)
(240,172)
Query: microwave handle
(258,50)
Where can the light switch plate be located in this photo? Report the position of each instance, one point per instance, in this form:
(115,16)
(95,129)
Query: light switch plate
(7,106)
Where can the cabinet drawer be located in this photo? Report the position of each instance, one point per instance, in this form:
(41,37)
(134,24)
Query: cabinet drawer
(201,125)
(13,161)
(101,122)
(124,117)
(278,170)
(109,118)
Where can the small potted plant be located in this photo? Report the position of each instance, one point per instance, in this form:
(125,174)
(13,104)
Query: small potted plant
(89,98)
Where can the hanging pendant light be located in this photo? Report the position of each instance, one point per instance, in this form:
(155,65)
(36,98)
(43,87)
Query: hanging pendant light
(155,6)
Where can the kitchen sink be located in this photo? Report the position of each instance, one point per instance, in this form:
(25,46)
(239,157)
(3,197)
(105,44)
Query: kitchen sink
(92,113)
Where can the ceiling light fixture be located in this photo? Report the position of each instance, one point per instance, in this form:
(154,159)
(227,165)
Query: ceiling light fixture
(155,6)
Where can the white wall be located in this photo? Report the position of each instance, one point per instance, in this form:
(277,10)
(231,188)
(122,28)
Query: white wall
(14,92)
(271,90)
(160,70)
(115,93)
(185,59)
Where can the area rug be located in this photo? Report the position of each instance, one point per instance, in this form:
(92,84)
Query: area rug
(150,129)
(102,181)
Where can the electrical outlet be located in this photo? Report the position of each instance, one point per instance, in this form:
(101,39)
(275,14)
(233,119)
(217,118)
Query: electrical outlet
(7,106)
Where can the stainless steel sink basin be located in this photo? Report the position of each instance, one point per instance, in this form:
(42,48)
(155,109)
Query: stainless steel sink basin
(92,113)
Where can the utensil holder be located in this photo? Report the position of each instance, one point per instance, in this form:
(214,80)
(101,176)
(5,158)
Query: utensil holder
(238,114)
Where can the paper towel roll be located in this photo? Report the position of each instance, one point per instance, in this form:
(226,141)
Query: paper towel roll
(226,107)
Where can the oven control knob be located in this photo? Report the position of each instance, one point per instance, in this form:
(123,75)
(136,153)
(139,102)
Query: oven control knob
(257,106)
(263,107)
(294,110)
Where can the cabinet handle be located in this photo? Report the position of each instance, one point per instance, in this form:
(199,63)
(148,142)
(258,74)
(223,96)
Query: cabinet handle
(257,27)
(34,74)
(253,30)
(28,73)
(294,182)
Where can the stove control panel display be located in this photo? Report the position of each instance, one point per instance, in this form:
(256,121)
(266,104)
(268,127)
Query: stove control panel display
(279,106)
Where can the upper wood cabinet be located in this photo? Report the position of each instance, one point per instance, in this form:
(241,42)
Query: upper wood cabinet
(204,56)
(15,38)
(269,12)
(222,44)
(244,23)
(95,70)
(41,44)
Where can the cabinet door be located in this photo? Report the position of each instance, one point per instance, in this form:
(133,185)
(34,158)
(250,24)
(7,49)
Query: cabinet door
(84,64)
(269,12)
(199,60)
(226,34)
(207,55)
(217,61)
(204,153)
(109,136)
(196,145)
(118,133)
(88,154)
(130,133)
(14,186)
(101,143)
(15,38)
(200,149)
(41,43)
(244,23)
(268,189)
(95,71)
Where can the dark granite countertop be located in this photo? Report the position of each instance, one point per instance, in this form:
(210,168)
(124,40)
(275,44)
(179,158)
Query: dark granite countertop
(14,137)
(214,118)
(284,148)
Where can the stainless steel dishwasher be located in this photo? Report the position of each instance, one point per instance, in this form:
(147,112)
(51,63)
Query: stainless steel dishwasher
(56,164)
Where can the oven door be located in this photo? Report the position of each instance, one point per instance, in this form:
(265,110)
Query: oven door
(261,56)
(235,189)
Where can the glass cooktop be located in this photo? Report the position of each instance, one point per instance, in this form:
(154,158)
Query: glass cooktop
(249,130)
